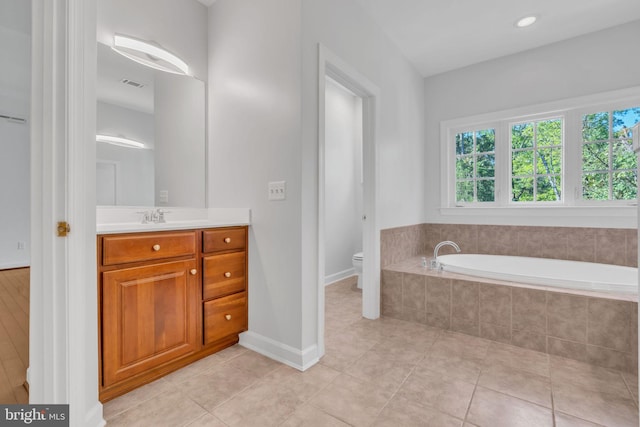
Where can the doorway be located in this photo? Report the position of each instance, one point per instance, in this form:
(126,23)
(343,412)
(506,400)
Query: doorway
(334,68)
(15,92)
(343,183)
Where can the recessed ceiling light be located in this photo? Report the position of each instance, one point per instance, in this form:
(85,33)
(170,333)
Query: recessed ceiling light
(526,21)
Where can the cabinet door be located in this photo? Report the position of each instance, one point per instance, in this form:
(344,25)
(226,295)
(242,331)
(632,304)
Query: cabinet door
(149,317)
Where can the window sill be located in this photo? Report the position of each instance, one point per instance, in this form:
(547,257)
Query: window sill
(620,211)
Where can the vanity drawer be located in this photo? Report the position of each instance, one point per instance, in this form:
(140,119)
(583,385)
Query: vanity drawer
(225,316)
(224,239)
(223,274)
(144,247)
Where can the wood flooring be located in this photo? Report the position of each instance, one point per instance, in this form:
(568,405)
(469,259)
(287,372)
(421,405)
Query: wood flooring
(14,335)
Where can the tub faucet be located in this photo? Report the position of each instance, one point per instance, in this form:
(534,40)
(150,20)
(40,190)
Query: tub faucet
(435,265)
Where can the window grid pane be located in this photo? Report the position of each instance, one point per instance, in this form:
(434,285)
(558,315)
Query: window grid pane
(475,166)
(536,161)
(609,165)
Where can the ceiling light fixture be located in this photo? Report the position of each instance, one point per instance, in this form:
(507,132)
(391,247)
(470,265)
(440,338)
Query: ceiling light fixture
(122,142)
(149,54)
(526,21)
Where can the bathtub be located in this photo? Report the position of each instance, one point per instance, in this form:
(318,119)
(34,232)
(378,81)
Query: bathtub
(543,271)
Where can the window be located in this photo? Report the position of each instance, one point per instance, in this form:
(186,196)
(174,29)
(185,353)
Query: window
(536,161)
(475,166)
(609,165)
(569,153)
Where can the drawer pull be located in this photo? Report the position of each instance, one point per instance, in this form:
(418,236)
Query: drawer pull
(193,271)
(227,239)
(227,316)
(156,248)
(227,274)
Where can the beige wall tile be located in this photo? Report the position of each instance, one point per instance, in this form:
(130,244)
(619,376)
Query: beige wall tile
(390,311)
(611,246)
(416,316)
(391,289)
(529,340)
(608,358)
(497,333)
(465,235)
(632,248)
(432,233)
(498,239)
(542,242)
(414,291)
(465,307)
(529,310)
(581,245)
(495,304)
(567,316)
(567,349)
(610,323)
(438,302)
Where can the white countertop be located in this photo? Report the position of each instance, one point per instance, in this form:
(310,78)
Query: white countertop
(113,220)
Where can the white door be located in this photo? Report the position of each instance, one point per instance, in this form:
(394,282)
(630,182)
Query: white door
(63,356)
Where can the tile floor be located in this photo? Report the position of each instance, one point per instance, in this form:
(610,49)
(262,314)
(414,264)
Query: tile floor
(385,373)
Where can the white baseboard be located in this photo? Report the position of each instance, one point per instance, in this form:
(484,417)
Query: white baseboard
(298,359)
(94,416)
(332,278)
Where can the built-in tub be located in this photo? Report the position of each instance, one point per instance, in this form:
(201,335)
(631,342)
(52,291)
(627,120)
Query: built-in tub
(543,271)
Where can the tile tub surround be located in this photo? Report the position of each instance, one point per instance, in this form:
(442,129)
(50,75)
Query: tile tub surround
(602,245)
(600,329)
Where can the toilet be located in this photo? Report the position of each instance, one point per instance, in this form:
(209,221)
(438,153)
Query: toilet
(357,266)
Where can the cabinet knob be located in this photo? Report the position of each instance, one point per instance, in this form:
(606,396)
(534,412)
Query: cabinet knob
(227,316)
(194,271)
(227,239)
(227,274)
(156,248)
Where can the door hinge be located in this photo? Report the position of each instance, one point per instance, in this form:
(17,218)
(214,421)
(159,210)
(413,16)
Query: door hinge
(63,228)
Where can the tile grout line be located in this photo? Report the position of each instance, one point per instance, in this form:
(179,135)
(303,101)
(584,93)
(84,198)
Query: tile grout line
(553,404)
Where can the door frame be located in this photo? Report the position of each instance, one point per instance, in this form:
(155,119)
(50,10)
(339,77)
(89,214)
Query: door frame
(329,64)
(63,320)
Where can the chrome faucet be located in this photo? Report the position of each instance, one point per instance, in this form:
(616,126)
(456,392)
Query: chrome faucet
(155,216)
(435,265)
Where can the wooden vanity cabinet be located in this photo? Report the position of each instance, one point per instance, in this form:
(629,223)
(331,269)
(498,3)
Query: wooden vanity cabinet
(153,314)
(224,283)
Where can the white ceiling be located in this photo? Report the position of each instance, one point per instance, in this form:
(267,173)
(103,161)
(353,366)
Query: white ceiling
(442,35)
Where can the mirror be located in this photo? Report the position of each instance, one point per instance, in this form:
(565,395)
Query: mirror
(163,111)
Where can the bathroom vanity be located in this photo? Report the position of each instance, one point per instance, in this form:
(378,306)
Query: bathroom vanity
(166,299)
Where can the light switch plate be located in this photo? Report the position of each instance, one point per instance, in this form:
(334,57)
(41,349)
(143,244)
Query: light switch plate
(163,196)
(277,190)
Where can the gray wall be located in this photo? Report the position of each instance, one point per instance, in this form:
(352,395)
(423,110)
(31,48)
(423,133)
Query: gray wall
(263,112)
(15,82)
